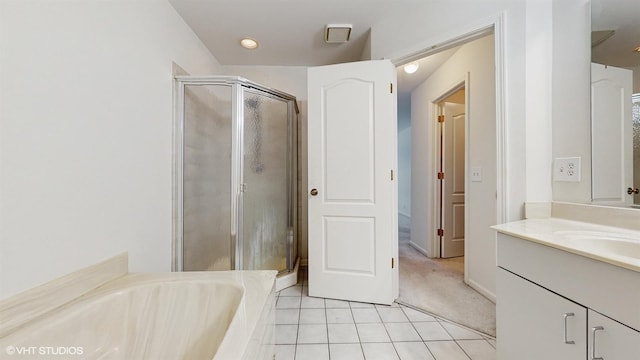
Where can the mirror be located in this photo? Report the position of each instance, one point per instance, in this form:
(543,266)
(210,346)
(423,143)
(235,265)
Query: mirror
(615,111)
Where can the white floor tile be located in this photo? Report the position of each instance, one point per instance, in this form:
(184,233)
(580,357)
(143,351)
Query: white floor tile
(312,334)
(392,314)
(402,332)
(413,351)
(355,304)
(379,351)
(312,352)
(339,316)
(312,316)
(346,352)
(460,333)
(446,350)
(312,303)
(287,316)
(366,315)
(295,290)
(415,315)
(332,303)
(478,349)
(286,334)
(431,330)
(288,302)
(343,333)
(285,352)
(372,333)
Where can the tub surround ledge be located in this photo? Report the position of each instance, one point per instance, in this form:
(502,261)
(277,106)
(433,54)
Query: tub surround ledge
(112,314)
(24,307)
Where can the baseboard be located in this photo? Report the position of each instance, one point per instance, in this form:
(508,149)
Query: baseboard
(420,250)
(482,290)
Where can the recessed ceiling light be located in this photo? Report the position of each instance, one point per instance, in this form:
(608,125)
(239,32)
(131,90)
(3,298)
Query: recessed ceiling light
(411,68)
(249,43)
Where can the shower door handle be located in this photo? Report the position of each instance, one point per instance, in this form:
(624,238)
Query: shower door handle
(314,192)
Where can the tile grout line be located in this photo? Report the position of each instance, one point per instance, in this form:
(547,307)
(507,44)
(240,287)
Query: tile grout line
(455,340)
(414,327)
(384,325)
(357,331)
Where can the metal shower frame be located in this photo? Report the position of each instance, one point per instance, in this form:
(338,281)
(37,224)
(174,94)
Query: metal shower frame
(238,86)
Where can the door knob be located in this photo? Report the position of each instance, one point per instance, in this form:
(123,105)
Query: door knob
(314,192)
(633,191)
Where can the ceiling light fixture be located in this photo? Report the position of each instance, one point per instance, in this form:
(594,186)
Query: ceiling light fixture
(637,49)
(337,33)
(411,68)
(249,43)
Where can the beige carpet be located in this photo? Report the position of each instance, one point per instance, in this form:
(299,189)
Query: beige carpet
(437,286)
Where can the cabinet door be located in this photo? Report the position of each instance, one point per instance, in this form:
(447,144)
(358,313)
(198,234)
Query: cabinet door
(613,341)
(534,323)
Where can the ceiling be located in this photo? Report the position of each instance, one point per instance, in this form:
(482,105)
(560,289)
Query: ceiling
(623,16)
(290,32)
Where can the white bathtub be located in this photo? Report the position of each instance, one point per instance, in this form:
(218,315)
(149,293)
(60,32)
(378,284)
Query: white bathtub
(191,315)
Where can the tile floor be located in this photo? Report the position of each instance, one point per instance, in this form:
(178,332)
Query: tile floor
(310,328)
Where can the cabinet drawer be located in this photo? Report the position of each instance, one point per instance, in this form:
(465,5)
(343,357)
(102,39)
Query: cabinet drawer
(608,289)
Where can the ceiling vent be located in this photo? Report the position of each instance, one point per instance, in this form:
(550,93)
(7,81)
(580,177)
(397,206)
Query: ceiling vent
(337,33)
(598,37)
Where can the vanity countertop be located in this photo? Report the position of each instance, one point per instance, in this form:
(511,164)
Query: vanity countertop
(613,245)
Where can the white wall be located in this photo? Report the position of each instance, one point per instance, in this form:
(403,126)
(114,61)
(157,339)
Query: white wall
(86,134)
(404,160)
(430,24)
(571,89)
(292,80)
(477,59)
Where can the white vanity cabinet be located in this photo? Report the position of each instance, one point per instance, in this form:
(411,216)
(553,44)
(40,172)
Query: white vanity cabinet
(534,323)
(612,339)
(549,301)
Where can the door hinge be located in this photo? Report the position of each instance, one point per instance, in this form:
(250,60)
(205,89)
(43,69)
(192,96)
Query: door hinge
(440,232)
(393,264)
(440,175)
(391,175)
(391,88)
(243,187)
(440,118)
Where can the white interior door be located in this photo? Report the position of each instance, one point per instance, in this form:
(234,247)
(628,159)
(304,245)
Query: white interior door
(452,240)
(611,134)
(352,188)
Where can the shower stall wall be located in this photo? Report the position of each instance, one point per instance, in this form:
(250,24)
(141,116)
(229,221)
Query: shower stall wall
(235,176)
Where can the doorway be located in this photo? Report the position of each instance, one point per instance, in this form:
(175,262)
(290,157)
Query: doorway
(434,270)
(451,172)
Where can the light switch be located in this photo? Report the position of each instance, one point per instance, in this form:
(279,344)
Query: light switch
(476,174)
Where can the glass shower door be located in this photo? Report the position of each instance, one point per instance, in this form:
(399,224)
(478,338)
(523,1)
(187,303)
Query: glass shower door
(265,173)
(207,177)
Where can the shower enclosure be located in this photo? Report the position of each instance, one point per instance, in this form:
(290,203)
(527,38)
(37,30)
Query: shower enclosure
(235,176)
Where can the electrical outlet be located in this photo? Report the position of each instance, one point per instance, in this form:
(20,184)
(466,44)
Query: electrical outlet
(566,169)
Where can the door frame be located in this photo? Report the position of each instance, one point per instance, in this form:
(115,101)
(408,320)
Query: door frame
(433,245)
(495,25)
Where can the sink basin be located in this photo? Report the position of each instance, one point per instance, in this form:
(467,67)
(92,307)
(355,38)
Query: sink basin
(621,244)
